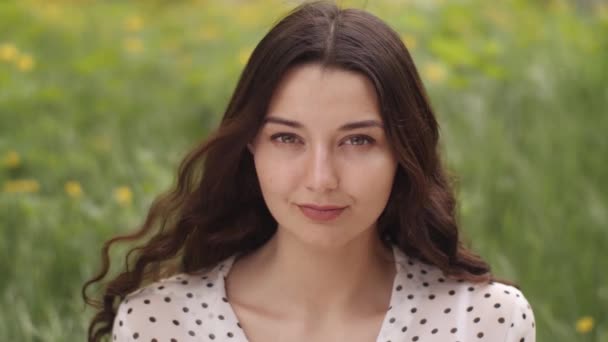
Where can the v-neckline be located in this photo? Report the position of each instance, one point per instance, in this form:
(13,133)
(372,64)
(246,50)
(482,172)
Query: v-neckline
(399,259)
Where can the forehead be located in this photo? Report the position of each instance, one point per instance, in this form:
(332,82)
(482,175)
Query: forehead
(309,93)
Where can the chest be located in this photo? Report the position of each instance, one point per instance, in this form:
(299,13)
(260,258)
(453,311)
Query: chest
(260,327)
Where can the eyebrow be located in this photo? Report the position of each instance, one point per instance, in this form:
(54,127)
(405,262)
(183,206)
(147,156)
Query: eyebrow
(346,127)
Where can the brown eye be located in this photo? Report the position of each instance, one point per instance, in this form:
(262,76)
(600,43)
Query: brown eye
(360,140)
(284,138)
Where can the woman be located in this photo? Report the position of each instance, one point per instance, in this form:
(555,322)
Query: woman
(318,211)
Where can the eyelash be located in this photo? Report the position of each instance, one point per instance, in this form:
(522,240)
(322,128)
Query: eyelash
(369,140)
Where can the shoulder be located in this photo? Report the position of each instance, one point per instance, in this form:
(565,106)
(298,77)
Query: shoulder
(491,311)
(163,310)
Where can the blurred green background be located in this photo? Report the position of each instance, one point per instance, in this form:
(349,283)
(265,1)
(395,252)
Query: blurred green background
(100,100)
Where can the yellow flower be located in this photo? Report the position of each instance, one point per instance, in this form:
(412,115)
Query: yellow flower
(584,324)
(21,185)
(244,55)
(73,189)
(8,52)
(12,159)
(134,23)
(208,32)
(409,40)
(435,72)
(133,45)
(25,63)
(123,195)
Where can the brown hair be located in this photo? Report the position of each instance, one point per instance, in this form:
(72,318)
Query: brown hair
(216,208)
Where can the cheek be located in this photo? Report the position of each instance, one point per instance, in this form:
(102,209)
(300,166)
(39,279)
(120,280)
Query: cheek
(372,181)
(273,175)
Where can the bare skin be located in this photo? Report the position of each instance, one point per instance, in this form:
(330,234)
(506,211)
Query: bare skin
(277,297)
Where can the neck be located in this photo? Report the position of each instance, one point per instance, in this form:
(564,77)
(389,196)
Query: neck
(288,277)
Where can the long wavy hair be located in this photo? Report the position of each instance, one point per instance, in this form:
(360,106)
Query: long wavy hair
(216,208)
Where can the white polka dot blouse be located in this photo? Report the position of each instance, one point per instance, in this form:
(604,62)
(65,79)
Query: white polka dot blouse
(425,306)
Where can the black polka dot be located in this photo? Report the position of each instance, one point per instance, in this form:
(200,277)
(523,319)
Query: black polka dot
(136,336)
(480,335)
(152,319)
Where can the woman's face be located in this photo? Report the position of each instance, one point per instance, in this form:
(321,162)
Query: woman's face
(323,144)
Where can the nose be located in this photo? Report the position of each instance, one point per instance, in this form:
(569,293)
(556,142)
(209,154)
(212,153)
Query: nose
(321,173)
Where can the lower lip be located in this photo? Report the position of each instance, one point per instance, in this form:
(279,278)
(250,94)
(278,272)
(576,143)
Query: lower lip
(321,215)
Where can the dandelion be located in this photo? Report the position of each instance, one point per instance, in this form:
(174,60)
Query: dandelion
(21,186)
(133,45)
(123,195)
(73,189)
(134,23)
(25,63)
(409,41)
(584,324)
(435,72)
(244,54)
(12,159)
(208,32)
(8,52)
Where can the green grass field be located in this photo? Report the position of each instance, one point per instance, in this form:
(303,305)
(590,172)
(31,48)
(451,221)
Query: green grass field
(99,101)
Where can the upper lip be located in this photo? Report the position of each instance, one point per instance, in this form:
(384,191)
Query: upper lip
(322,207)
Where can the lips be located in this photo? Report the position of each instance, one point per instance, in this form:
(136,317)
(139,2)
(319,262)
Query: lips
(321,213)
